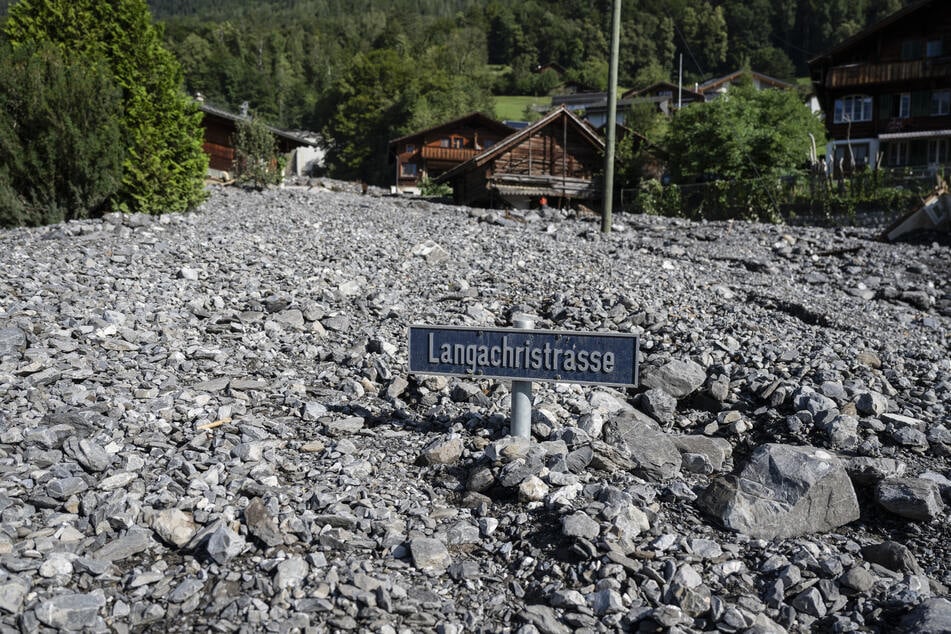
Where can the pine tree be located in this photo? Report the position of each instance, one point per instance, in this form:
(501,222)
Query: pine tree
(164,166)
(60,142)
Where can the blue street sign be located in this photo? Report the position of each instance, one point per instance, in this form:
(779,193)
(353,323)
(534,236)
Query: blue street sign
(598,358)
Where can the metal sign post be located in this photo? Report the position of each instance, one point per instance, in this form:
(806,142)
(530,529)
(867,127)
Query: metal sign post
(522,394)
(524,355)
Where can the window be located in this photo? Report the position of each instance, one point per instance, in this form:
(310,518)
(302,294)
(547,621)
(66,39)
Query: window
(938,152)
(858,154)
(444,142)
(910,49)
(853,108)
(933,48)
(904,105)
(408,170)
(458,142)
(410,147)
(940,102)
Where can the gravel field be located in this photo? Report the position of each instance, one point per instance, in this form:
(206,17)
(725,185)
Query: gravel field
(207,424)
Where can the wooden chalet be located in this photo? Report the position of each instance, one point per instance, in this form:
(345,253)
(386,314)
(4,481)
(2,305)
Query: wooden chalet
(886,91)
(557,157)
(431,152)
(220,127)
(665,95)
(718,86)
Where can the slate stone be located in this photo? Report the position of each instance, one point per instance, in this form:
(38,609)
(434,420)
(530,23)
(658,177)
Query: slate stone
(261,524)
(642,440)
(71,612)
(135,541)
(911,498)
(784,491)
(893,556)
(445,450)
(223,545)
(12,341)
(931,616)
(544,619)
(429,555)
(679,378)
(580,524)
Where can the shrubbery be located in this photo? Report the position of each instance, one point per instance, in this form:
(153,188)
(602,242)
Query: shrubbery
(60,143)
(163,165)
(257,162)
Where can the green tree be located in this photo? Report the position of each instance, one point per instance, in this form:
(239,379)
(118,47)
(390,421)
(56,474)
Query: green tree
(60,143)
(164,165)
(257,160)
(744,134)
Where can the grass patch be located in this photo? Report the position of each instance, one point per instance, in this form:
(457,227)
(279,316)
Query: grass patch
(512,107)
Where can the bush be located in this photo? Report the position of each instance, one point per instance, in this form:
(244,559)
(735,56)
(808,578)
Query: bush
(164,165)
(257,161)
(60,141)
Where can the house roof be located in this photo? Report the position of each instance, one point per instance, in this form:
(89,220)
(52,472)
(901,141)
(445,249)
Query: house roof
(514,139)
(659,85)
(873,29)
(716,83)
(472,118)
(299,138)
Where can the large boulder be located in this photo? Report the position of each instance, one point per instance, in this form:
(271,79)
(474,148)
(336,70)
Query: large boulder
(677,378)
(639,437)
(784,491)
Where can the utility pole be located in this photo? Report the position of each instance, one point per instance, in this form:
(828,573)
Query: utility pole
(608,202)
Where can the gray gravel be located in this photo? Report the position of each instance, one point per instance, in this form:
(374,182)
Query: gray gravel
(206,424)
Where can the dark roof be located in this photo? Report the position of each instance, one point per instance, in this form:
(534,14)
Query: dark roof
(661,84)
(514,139)
(299,138)
(472,117)
(873,29)
(719,81)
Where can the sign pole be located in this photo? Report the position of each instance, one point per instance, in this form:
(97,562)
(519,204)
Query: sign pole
(522,394)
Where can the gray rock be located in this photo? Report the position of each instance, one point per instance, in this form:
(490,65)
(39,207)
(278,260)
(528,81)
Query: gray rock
(544,619)
(810,602)
(444,450)
(659,404)
(580,524)
(784,491)
(290,573)
(677,378)
(12,593)
(71,612)
(653,452)
(88,453)
(606,601)
(911,498)
(344,426)
(429,555)
(866,471)
(716,450)
(135,541)
(893,556)
(932,616)
(223,544)
(871,404)
(261,524)
(858,579)
(174,526)
(12,341)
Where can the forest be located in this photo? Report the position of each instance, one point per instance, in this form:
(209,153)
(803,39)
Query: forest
(363,71)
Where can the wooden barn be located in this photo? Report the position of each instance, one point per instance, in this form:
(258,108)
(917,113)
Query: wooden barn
(220,127)
(431,152)
(559,158)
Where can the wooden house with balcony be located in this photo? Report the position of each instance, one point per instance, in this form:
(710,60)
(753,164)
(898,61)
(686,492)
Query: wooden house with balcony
(559,158)
(434,151)
(886,91)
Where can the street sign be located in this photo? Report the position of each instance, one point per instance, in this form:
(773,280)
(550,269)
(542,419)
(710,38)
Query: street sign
(597,358)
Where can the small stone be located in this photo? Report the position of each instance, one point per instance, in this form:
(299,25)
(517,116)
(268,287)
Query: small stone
(174,526)
(858,579)
(532,489)
(135,541)
(911,498)
(430,555)
(677,378)
(12,594)
(810,601)
(445,450)
(580,524)
(186,273)
(261,525)
(290,573)
(223,545)
(544,619)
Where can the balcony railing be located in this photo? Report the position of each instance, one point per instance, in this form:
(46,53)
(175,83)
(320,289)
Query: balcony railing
(863,74)
(457,155)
